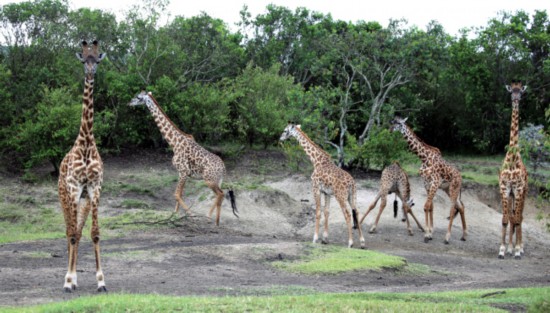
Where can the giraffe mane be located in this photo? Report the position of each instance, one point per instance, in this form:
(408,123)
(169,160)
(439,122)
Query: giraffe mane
(312,142)
(150,94)
(435,149)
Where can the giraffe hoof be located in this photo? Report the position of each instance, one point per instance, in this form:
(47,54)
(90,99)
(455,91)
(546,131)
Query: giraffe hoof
(67,290)
(102,289)
(426,239)
(324,241)
(463,239)
(517,257)
(500,256)
(403,220)
(446,242)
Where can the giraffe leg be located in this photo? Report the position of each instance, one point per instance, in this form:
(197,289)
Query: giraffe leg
(406,209)
(317,197)
(217,203)
(327,212)
(70,208)
(409,210)
(371,207)
(95,239)
(428,211)
(178,194)
(347,216)
(505,219)
(353,203)
(382,207)
(453,194)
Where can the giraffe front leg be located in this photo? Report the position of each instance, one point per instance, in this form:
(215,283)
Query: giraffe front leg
(95,239)
(428,211)
(317,198)
(382,207)
(327,212)
(179,195)
(72,247)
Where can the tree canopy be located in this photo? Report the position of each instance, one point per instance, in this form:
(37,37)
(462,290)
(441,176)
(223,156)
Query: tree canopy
(342,81)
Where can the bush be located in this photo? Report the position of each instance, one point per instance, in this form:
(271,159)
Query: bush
(380,150)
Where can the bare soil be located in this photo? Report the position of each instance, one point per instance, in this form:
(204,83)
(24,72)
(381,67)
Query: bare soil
(276,222)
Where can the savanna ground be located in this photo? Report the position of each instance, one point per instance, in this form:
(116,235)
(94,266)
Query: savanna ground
(147,250)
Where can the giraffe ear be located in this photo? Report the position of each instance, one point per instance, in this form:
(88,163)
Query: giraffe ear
(405,119)
(299,126)
(524,88)
(101,57)
(79,57)
(508,88)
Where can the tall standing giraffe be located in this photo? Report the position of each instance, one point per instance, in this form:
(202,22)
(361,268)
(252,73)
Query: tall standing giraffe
(436,173)
(393,179)
(190,159)
(513,181)
(81,175)
(327,179)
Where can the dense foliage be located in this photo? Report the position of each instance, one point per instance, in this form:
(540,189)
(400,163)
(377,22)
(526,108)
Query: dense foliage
(342,81)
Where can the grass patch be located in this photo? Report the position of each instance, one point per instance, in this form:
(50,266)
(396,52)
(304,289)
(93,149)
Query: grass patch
(335,259)
(134,204)
(460,301)
(23,224)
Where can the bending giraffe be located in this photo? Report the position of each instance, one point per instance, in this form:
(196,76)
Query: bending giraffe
(437,174)
(190,159)
(327,179)
(513,181)
(394,179)
(81,175)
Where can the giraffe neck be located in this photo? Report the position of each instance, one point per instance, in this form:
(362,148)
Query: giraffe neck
(514,126)
(415,144)
(314,152)
(168,129)
(87,119)
(513,157)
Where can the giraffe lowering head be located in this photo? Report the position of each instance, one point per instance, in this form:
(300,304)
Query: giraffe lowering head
(90,57)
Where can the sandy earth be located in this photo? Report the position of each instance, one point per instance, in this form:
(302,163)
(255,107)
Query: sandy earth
(276,222)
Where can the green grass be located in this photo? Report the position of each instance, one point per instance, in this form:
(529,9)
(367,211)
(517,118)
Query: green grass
(134,204)
(459,301)
(22,224)
(335,259)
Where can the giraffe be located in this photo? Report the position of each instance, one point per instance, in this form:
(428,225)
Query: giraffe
(327,179)
(190,159)
(513,181)
(436,174)
(394,179)
(81,175)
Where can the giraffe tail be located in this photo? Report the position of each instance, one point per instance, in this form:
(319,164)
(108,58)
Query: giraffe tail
(353,198)
(395,207)
(233,203)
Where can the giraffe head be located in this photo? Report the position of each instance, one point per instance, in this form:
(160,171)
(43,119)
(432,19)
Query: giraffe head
(398,124)
(516,89)
(143,98)
(291,130)
(90,57)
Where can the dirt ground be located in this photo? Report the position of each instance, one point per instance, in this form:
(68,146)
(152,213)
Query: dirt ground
(276,222)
